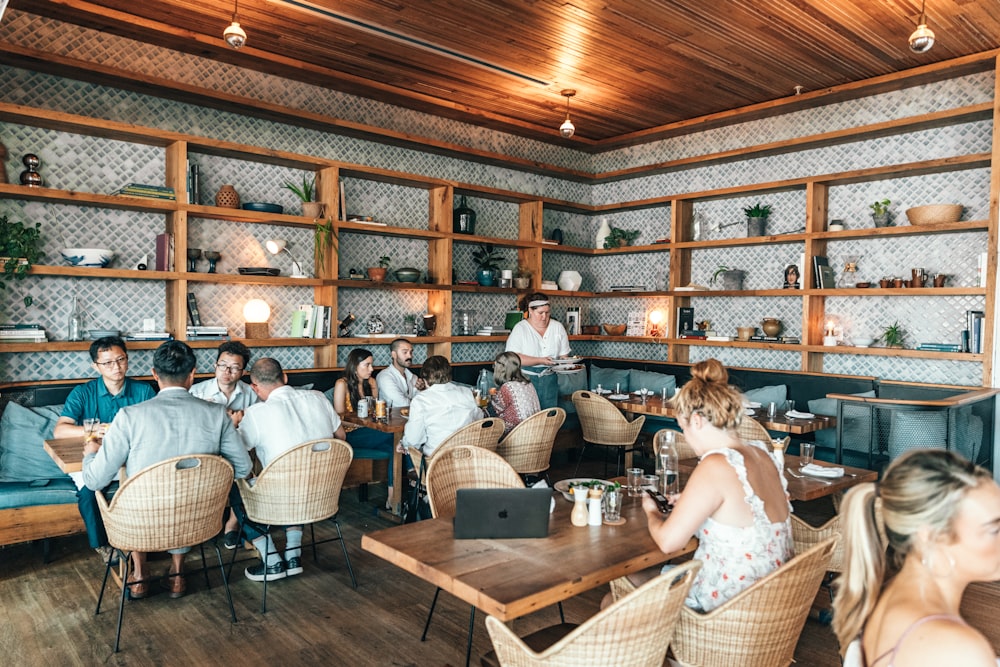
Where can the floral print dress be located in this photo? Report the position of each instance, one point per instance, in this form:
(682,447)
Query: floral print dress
(735,557)
(514,402)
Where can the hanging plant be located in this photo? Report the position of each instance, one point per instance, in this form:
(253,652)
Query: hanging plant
(20,244)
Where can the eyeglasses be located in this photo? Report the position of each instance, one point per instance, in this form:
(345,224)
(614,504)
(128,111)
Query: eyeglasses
(230,369)
(120,361)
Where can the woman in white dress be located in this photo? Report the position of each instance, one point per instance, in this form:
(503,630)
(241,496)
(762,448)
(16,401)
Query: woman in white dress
(939,516)
(539,341)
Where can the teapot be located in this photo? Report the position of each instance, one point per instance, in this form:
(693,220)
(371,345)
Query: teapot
(771,326)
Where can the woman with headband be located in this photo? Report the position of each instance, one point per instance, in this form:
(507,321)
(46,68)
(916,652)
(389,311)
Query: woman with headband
(539,341)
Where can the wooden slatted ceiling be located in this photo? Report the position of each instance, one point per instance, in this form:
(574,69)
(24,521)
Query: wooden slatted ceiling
(636,64)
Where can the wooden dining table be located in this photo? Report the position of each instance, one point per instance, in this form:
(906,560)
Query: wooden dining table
(394,423)
(66,452)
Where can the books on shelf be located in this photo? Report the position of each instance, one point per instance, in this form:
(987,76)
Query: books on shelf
(207,333)
(628,288)
(19,326)
(311,320)
(940,347)
(145,191)
(720,338)
(147,335)
(691,288)
(819,261)
(164,252)
(974,325)
(692,333)
(30,332)
(492,331)
(765,339)
(685,319)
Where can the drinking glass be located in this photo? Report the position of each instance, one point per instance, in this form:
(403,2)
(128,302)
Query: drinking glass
(772,410)
(90,426)
(650,482)
(612,504)
(789,405)
(670,483)
(806,452)
(634,482)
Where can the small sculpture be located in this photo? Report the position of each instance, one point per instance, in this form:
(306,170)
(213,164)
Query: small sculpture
(375,325)
(30,176)
(345,325)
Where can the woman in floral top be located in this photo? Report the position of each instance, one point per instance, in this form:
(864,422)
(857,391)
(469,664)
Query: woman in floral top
(516,399)
(735,501)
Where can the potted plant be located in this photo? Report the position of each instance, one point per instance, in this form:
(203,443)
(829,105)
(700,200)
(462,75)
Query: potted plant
(20,247)
(619,238)
(378,273)
(522,279)
(732,279)
(880,212)
(324,238)
(757,218)
(487,260)
(305,192)
(893,335)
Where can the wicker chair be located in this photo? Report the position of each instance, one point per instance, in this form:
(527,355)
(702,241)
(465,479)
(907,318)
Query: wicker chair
(634,631)
(169,505)
(603,424)
(760,626)
(300,486)
(528,446)
(751,429)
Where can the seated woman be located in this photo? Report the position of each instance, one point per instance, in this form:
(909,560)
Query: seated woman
(440,409)
(357,383)
(735,501)
(516,399)
(940,515)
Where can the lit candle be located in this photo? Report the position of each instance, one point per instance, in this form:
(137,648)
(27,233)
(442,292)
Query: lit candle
(829,328)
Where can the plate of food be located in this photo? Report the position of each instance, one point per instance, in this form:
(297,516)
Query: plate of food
(564,485)
(568,370)
(561,361)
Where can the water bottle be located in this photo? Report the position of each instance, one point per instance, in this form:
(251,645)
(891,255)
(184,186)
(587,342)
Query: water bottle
(74,328)
(668,464)
(483,385)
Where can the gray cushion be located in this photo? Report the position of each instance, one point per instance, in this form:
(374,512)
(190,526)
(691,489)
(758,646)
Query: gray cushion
(22,494)
(22,431)
(570,382)
(608,378)
(765,395)
(655,382)
(827,407)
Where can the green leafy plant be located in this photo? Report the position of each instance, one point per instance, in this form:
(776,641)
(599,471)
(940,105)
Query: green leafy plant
(384,261)
(718,272)
(619,237)
(486,257)
(325,238)
(523,271)
(893,335)
(880,207)
(758,211)
(22,244)
(305,191)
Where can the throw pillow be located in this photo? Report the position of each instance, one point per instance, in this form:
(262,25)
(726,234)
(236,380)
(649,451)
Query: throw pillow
(22,431)
(827,407)
(609,378)
(766,395)
(655,382)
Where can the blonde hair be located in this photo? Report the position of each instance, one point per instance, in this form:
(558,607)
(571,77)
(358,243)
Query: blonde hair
(709,394)
(920,489)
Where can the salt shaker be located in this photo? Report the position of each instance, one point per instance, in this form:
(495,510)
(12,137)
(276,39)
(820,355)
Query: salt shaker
(595,507)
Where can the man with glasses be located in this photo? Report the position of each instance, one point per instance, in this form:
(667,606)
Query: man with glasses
(227,387)
(100,399)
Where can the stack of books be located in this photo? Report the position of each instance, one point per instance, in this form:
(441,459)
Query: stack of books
(22,333)
(148,335)
(146,191)
(940,347)
(311,320)
(492,331)
(974,327)
(628,288)
(207,332)
(701,334)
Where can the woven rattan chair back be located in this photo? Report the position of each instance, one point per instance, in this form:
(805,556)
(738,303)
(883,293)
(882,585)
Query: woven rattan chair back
(299,486)
(485,433)
(684,450)
(528,446)
(751,429)
(602,423)
(760,626)
(633,631)
(171,504)
(806,536)
(465,467)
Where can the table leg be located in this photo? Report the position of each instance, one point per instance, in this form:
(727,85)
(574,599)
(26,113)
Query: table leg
(399,477)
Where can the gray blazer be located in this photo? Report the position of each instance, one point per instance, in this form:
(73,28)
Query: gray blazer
(173,423)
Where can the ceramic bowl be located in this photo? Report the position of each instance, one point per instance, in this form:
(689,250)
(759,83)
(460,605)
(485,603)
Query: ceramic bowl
(99,257)
(614,329)
(590,329)
(407,275)
(862,341)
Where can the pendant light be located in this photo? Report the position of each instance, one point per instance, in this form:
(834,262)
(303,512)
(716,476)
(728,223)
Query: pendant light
(567,128)
(234,35)
(922,38)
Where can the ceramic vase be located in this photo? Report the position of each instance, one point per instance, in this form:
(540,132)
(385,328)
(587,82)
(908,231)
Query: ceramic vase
(570,281)
(227,197)
(603,232)
(771,326)
(486,277)
(463,219)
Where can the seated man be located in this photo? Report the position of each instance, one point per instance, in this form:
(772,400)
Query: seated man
(285,418)
(173,423)
(396,382)
(100,399)
(227,387)
(439,410)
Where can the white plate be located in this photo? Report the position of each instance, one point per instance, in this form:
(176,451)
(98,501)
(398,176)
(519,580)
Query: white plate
(618,397)
(640,392)
(601,391)
(568,360)
(568,370)
(562,486)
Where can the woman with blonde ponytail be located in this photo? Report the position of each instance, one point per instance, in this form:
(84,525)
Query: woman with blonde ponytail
(913,542)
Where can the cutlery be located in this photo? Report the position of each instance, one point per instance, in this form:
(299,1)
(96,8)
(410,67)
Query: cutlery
(809,477)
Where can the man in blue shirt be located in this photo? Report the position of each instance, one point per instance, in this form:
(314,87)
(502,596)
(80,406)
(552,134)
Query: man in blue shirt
(100,399)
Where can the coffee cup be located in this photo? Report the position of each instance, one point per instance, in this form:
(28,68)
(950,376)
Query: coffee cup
(939,280)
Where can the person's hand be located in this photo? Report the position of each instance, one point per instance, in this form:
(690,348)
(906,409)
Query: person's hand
(91,446)
(421,385)
(236,416)
(673,498)
(548,361)
(649,505)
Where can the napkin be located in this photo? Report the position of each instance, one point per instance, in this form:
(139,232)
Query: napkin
(751,404)
(640,392)
(795,414)
(749,412)
(618,397)
(821,471)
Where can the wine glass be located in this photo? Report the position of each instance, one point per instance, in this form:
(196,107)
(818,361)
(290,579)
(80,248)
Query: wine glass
(193,255)
(212,256)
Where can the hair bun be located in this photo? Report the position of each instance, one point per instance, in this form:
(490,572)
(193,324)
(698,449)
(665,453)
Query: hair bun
(710,370)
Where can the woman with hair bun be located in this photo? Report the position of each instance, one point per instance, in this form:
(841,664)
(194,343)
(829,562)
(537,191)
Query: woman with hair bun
(913,543)
(735,501)
(539,341)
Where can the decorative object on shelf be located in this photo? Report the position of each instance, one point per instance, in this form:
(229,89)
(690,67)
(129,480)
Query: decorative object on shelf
(922,39)
(836,225)
(569,281)
(276,246)
(893,335)
(465,322)
(487,260)
(880,213)
(258,271)
(30,175)
(656,321)
(567,129)
(830,334)
(256,313)
(354,274)
(410,324)
(862,341)
(556,235)
(934,214)
(512,317)
(407,275)
(262,207)
(463,218)
(614,329)
(376,325)
(919,277)
(732,279)
(235,35)
(791,277)
(591,329)
(572,320)
(306,192)
(193,255)
(745,333)
(430,323)
(378,273)
(603,232)
(194,184)
(757,218)
(940,279)
(74,328)
(325,238)
(506,278)
(20,247)
(213,257)
(772,326)
(850,275)
(343,329)
(92,257)
(885,282)
(227,197)
(522,279)
(619,238)
(3,163)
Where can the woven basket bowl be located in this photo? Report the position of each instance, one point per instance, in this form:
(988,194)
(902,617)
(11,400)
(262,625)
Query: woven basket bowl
(934,214)
(614,329)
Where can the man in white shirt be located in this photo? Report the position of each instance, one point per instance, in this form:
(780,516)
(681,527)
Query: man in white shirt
(396,383)
(439,410)
(227,387)
(285,418)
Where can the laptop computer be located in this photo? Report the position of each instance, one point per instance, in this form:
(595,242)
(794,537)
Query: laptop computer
(502,513)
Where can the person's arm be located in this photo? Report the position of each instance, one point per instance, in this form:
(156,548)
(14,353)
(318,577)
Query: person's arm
(70,422)
(102,462)
(233,450)
(66,427)
(415,431)
(340,396)
(701,498)
(391,386)
(500,400)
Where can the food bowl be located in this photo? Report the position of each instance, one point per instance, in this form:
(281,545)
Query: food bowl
(862,285)
(862,341)
(407,275)
(614,329)
(934,214)
(99,257)
(590,329)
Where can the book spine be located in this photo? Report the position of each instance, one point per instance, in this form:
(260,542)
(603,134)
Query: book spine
(298,318)
(192,302)
(163,252)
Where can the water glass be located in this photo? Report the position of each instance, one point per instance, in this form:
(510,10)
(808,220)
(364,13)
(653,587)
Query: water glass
(789,405)
(90,426)
(650,482)
(670,483)
(772,410)
(807,450)
(634,478)
(612,504)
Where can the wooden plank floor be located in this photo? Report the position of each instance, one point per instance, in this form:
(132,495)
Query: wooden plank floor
(47,612)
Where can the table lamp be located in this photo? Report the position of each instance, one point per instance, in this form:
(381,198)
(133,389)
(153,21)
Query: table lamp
(256,313)
(655,320)
(276,246)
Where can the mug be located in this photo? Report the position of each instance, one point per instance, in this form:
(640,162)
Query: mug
(939,280)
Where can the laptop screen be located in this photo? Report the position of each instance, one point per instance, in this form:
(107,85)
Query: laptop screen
(502,513)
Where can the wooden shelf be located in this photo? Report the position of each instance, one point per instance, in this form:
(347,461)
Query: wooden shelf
(73,198)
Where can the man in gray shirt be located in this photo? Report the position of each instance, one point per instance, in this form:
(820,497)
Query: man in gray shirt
(172,424)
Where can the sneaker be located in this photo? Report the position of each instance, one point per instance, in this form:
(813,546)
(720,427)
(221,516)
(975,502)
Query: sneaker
(273,572)
(231,540)
(108,555)
(294,566)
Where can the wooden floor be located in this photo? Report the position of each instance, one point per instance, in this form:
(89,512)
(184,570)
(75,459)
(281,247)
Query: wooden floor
(47,612)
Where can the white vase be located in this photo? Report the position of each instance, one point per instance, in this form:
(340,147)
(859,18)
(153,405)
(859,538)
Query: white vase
(570,281)
(603,232)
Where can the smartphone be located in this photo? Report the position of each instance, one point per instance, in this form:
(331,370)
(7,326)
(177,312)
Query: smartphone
(661,502)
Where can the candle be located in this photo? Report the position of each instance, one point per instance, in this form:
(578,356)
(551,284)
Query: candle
(829,329)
